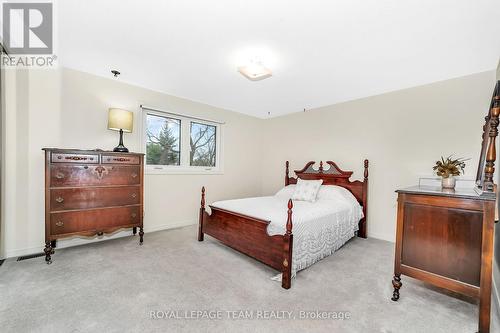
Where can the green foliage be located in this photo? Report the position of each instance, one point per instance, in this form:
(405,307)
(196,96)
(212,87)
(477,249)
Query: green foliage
(449,167)
(162,149)
(163,146)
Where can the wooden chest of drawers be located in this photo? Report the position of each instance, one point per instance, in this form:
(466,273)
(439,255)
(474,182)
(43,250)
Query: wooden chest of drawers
(446,239)
(90,193)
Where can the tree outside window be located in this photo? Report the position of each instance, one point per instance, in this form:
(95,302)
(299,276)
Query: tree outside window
(162,140)
(181,144)
(202,145)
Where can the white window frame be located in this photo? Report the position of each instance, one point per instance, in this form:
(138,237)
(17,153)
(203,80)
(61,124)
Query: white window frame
(185,134)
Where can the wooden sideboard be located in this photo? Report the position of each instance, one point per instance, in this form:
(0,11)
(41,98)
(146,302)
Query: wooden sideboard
(91,192)
(445,238)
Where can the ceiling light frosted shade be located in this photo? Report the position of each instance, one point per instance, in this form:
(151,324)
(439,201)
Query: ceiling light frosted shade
(255,71)
(119,119)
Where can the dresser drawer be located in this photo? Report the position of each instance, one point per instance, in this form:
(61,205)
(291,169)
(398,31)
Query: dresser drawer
(91,175)
(98,220)
(93,197)
(75,158)
(120,159)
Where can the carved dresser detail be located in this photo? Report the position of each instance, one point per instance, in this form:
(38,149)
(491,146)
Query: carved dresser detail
(91,192)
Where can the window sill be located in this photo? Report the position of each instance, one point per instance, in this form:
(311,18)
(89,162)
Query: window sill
(151,171)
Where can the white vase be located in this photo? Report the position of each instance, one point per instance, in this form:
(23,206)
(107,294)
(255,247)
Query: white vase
(448,183)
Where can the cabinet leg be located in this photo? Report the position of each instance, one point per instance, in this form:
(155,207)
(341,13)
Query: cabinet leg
(396,283)
(141,235)
(134,230)
(48,251)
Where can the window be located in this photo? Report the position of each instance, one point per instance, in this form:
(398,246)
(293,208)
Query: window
(163,140)
(181,144)
(202,145)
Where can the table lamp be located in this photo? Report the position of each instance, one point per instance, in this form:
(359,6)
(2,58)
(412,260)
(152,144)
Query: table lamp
(123,121)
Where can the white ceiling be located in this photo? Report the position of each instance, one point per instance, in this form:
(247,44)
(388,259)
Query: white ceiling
(320,52)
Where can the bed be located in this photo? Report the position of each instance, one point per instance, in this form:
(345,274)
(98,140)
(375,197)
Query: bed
(264,227)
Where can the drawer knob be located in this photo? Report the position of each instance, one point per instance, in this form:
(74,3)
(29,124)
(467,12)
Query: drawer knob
(134,195)
(133,175)
(59,199)
(133,215)
(59,175)
(59,223)
(100,233)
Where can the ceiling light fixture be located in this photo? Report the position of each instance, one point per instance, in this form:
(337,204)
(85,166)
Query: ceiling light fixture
(115,72)
(255,71)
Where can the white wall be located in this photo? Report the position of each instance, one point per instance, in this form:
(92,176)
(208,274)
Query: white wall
(402,134)
(68,109)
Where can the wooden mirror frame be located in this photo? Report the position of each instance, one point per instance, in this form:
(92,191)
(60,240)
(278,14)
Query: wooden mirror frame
(486,167)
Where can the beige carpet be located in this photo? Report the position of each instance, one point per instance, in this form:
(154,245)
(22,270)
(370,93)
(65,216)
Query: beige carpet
(114,286)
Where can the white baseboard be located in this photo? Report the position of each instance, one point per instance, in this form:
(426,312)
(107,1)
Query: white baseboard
(63,243)
(170,226)
(389,238)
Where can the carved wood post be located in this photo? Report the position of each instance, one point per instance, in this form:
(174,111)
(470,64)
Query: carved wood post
(286,279)
(141,235)
(366,170)
(202,212)
(289,224)
(320,167)
(491,154)
(396,284)
(287,181)
(484,142)
(48,252)
(362,223)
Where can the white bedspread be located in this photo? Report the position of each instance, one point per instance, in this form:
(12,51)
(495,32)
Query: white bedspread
(319,228)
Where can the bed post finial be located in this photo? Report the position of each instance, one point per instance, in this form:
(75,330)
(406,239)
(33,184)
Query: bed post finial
(320,166)
(287,180)
(366,169)
(289,224)
(203,197)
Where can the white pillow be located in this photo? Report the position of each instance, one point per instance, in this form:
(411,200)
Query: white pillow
(307,190)
(286,191)
(334,192)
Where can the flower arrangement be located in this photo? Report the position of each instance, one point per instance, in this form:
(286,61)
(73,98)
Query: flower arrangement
(449,167)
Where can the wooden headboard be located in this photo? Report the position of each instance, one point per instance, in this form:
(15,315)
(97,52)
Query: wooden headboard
(333,175)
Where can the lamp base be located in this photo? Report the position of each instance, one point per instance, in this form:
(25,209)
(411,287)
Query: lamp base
(121,149)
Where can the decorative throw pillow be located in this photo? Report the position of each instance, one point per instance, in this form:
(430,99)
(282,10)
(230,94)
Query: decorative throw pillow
(307,190)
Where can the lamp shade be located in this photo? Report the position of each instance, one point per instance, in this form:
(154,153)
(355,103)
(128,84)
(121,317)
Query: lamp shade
(119,119)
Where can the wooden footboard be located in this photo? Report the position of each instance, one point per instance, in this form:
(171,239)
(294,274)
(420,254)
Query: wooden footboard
(249,236)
